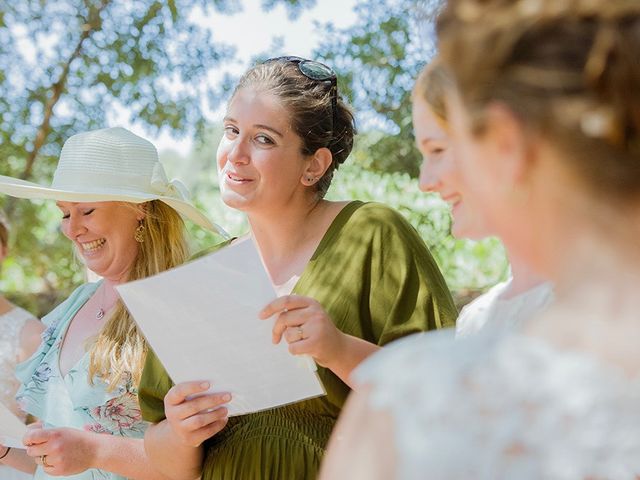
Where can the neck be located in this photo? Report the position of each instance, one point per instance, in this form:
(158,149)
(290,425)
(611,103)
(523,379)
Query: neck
(523,278)
(601,244)
(278,233)
(108,296)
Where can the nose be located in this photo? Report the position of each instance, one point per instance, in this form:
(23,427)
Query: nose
(429,180)
(238,152)
(73,227)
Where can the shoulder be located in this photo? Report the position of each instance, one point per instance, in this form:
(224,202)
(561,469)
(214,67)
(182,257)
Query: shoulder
(81,293)
(375,213)
(420,354)
(496,392)
(380,222)
(474,315)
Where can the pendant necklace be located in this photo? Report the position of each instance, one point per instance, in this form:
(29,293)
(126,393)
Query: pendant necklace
(100,312)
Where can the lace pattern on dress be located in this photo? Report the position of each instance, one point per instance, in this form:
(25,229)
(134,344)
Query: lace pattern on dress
(11,324)
(499,406)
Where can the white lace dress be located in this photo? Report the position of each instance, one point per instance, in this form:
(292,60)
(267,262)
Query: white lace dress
(492,309)
(504,406)
(11,324)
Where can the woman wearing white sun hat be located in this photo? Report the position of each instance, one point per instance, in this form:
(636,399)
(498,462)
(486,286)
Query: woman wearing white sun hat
(123,217)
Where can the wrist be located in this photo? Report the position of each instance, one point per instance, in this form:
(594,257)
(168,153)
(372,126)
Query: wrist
(4,453)
(340,350)
(95,449)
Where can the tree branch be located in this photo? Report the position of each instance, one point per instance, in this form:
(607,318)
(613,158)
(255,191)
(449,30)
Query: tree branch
(57,89)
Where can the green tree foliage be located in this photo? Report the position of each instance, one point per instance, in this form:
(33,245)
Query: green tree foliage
(72,65)
(377,60)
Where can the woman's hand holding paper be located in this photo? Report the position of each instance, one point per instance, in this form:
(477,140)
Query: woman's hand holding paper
(307,328)
(195,416)
(61,451)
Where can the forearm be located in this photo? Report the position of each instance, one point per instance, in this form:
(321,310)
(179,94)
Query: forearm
(17,458)
(177,460)
(126,457)
(352,352)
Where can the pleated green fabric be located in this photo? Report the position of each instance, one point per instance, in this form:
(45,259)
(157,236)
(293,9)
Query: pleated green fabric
(376,279)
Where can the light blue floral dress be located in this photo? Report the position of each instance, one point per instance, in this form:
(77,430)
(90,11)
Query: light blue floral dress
(72,401)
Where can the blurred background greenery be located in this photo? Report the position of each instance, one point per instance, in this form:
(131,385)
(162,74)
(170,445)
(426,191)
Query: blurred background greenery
(92,61)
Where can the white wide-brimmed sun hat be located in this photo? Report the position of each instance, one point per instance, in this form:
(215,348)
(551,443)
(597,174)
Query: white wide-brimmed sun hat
(111,164)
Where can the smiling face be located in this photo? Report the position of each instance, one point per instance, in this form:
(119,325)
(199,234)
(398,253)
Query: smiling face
(260,164)
(103,233)
(438,172)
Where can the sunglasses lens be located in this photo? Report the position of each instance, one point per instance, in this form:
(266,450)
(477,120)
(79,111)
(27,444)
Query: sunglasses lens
(316,71)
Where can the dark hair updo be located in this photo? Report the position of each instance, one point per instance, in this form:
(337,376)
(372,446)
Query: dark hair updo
(309,103)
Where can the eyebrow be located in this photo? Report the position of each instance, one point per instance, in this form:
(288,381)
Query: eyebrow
(257,125)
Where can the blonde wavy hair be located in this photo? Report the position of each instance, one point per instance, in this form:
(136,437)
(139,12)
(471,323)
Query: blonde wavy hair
(118,352)
(431,86)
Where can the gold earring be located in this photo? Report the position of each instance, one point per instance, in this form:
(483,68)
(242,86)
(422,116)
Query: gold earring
(139,233)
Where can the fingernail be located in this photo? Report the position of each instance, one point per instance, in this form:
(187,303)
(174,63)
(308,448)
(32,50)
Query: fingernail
(226,397)
(204,385)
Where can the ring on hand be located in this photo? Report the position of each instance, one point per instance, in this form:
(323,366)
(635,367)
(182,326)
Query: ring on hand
(300,333)
(43,458)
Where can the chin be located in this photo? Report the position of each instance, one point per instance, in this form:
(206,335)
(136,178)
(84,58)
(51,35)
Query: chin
(235,201)
(465,232)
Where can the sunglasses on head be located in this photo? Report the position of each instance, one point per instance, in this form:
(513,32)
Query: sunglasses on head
(315,71)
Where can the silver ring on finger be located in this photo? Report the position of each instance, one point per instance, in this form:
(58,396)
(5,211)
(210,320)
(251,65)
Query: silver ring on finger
(300,333)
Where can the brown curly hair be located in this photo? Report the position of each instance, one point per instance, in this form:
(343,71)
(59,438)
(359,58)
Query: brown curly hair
(569,69)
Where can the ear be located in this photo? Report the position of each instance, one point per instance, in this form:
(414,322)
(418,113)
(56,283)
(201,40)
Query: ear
(317,165)
(511,144)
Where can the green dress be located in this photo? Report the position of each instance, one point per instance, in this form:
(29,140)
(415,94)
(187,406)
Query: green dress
(376,279)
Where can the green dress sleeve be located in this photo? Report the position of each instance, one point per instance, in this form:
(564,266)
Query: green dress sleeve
(155,381)
(375,276)
(410,294)
(154,385)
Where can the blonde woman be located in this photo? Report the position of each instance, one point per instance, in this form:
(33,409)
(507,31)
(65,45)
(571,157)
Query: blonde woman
(546,130)
(524,294)
(123,218)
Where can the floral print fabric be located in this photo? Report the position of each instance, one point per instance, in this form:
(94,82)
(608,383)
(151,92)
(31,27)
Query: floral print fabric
(72,400)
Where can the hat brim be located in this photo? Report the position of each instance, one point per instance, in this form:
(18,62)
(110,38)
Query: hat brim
(29,190)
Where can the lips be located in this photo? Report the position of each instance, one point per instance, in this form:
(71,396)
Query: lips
(452,200)
(93,245)
(235,178)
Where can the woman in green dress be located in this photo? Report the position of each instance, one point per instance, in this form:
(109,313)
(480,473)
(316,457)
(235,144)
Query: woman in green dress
(352,277)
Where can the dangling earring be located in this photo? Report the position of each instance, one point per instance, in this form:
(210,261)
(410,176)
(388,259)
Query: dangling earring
(139,233)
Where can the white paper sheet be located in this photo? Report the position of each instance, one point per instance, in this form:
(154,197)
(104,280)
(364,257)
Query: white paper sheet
(11,428)
(202,321)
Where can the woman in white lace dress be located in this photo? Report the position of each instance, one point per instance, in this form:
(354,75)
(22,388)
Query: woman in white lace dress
(546,128)
(19,337)
(524,293)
